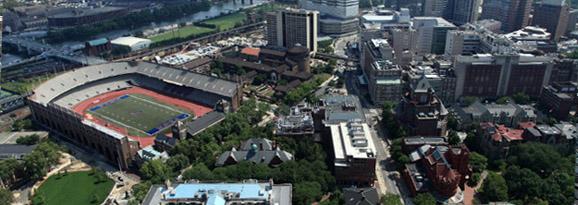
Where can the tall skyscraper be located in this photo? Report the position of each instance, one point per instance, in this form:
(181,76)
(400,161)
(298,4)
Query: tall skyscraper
(290,27)
(514,14)
(337,16)
(456,11)
(438,8)
(465,11)
(572,18)
(431,34)
(553,16)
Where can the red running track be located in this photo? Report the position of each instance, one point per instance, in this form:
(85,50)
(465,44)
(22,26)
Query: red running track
(198,110)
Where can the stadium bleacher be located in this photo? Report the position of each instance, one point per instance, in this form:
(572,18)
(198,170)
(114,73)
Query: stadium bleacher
(83,83)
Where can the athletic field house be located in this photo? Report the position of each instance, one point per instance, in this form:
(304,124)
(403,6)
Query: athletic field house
(118,108)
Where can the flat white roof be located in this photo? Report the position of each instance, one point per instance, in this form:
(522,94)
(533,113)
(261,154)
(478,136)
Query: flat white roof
(351,140)
(129,41)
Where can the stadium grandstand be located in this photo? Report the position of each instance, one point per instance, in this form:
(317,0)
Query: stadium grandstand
(118,108)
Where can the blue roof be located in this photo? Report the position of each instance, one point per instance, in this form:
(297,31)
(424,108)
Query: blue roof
(97,42)
(215,199)
(245,190)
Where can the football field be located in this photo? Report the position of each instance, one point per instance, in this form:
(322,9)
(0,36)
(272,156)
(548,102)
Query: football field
(139,113)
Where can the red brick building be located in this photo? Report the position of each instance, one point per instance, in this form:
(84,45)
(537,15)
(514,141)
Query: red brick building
(560,98)
(442,170)
(422,112)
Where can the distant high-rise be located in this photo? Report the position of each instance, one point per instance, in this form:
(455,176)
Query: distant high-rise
(438,8)
(456,11)
(431,34)
(572,18)
(514,14)
(290,27)
(465,11)
(337,16)
(553,16)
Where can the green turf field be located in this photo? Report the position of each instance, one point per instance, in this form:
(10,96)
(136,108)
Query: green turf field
(138,113)
(222,22)
(180,33)
(228,21)
(73,189)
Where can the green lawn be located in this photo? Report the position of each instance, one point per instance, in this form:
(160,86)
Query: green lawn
(223,22)
(74,188)
(139,113)
(228,21)
(182,32)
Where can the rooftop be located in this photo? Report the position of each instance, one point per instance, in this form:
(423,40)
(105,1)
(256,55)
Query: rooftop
(251,51)
(61,84)
(351,140)
(360,196)
(342,108)
(98,42)
(128,40)
(221,193)
(79,12)
(16,148)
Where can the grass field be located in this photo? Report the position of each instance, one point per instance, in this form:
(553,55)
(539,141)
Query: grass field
(138,113)
(228,21)
(223,23)
(73,189)
(181,33)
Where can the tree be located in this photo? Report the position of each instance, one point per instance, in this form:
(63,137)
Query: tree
(495,188)
(478,162)
(259,79)
(424,199)
(8,169)
(177,163)
(139,191)
(5,197)
(522,183)
(199,172)
(40,159)
(23,124)
(541,158)
(452,122)
(474,179)
(469,100)
(521,98)
(473,141)
(28,140)
(453,138)
(306,192)
(503,100)
(558,188)
(156,171)
(391,199)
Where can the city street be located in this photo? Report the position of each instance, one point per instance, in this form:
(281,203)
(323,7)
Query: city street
(389,179)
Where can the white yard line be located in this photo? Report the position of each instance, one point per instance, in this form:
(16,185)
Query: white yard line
(160,105)
(120,123)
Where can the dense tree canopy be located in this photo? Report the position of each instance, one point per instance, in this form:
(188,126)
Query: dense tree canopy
(478,162)
(495,188)
(308,173)
(28,140)
(521,98)
(540,158)
(5,197)
(155,171)
(394,128)
(391,199)
(424,199)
